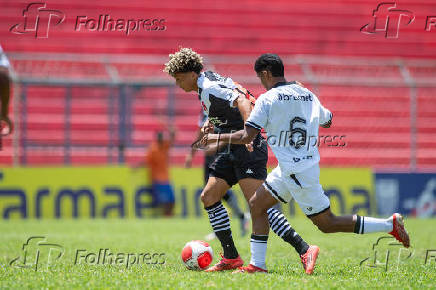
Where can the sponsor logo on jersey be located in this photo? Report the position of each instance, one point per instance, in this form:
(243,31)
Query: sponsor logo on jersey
(296,159)
(284,97)
(216,121)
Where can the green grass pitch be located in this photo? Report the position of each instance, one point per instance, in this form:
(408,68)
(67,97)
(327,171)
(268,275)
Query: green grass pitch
(337,267)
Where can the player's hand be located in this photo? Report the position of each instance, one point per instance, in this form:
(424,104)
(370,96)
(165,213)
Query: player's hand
(188,161)
(209,139)
(6,126)
(207,128)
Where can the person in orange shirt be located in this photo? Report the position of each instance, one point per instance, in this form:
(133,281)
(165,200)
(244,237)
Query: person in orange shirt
(5,121)
(157,158)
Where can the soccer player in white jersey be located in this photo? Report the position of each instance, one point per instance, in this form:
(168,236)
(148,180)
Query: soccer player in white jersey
(4,90)
(227,106)
(291,115)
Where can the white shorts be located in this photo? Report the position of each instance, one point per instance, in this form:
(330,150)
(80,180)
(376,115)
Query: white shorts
(304,187)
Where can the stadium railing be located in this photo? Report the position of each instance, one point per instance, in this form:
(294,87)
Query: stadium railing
(101,109)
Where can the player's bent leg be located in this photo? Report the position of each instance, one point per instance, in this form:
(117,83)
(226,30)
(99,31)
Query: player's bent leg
(275,187)
(232,201)
(259,204)
(214,190)
(249,186)
(219,219)
(327,222)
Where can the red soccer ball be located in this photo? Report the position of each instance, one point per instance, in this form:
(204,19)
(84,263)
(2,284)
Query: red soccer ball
(197,255)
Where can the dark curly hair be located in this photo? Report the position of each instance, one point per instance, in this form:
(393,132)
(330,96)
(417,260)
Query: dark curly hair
(184,60)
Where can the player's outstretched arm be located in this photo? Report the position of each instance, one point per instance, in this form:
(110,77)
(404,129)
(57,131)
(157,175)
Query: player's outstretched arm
(245,136)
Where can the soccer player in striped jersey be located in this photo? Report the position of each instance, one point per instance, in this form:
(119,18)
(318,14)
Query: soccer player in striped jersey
(230,196)
(292,115)
(228,106)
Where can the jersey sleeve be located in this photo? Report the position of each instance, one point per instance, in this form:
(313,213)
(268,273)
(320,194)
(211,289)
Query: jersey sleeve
(202,119)
(223,92)
(259,116)
(325,115)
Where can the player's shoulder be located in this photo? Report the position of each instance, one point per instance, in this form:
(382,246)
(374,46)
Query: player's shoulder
(267,96)
(210,79)
(264,100)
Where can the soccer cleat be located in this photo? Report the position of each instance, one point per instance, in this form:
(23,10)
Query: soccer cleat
(250,269)
(398,230)
(308,259)
(226,264)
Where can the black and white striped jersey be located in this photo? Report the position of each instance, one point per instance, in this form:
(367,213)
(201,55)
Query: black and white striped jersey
(217,95)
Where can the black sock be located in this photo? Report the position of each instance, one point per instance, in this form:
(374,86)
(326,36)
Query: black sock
(219,219)
(227,243)
(283,229)
(359,222)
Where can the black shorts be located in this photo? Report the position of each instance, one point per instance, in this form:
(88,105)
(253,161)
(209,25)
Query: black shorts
(236,162)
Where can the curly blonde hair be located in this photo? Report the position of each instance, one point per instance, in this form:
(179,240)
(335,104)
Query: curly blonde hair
(184,60)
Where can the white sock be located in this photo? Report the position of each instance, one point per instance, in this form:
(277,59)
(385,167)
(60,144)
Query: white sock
(374,225)
(258,245)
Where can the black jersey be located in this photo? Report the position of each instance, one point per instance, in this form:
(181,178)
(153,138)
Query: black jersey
(217,95)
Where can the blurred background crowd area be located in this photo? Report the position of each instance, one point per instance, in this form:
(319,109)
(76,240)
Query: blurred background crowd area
(92,97)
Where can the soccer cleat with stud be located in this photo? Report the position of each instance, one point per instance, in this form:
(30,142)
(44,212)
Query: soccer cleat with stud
(250,269)
(226,264)
(308,259)
(398,230)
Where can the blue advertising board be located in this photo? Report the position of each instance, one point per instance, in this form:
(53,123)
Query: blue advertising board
(410,194)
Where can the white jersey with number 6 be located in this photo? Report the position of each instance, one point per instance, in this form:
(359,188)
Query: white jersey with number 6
(291,116)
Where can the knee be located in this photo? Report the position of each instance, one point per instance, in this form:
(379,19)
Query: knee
(256,208)
(207,199)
